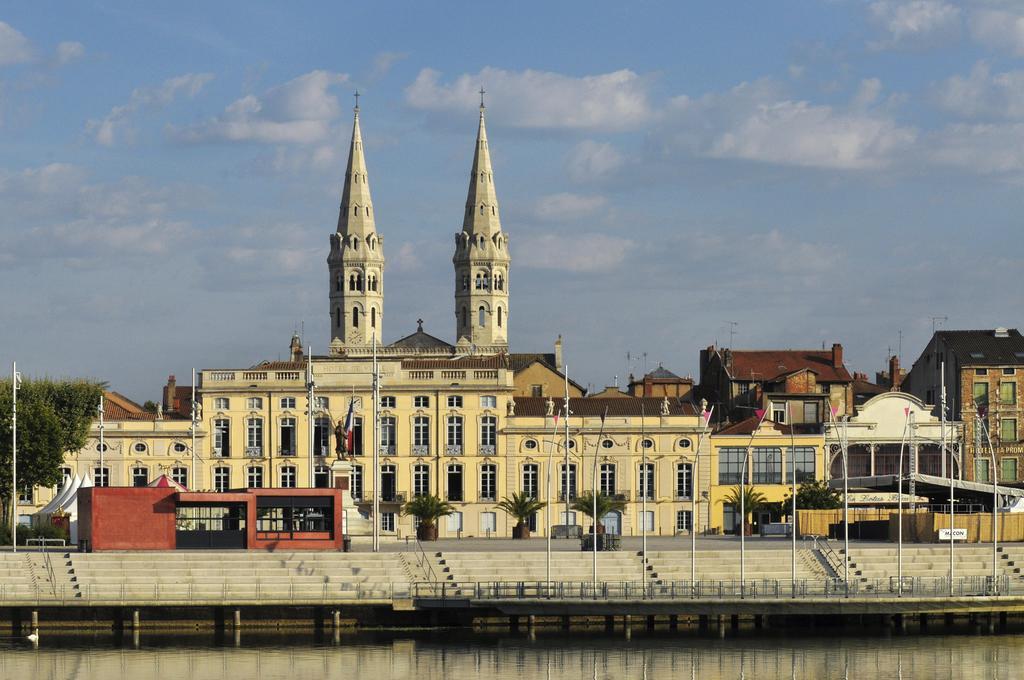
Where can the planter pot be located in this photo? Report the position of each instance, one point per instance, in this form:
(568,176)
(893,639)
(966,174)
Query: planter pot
(426,533)
(600,529)
(521,531)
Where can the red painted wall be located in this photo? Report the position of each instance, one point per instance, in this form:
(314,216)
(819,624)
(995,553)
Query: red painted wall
(127,518)
(266,541)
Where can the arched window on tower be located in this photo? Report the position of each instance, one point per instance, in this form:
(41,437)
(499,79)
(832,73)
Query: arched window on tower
(355,210)
(479,285)
(465,282)
(465,318)
(355,317)
(494,211)
(500,311)
(373,317)
(367,211)
(482,317)
(481,209)
(337,317)
(487,281)
(351,281)
(359,282)
(499,281)
(338,282)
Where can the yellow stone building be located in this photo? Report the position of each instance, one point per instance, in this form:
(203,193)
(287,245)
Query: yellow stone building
(466,420)
(770,450)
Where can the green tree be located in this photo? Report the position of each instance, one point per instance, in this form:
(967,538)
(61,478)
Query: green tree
(427,509)
(521,507)
(753,500)
(53,420)
(585,503)
(149,406)
(815,495)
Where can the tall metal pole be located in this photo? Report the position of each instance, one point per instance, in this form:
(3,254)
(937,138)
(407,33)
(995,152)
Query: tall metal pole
(311,403)
(899,508)
(101,410)
(995,506)
(547,493)
(593,495)
(15,384)
(694,493)
(846,505)
(376,452)
(792,519)
(192,429)
(743,506)
(945,450)
(566,468)
(644,484)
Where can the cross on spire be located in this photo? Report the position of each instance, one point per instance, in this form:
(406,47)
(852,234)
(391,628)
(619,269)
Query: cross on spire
(356,95)
(482,93)
(419,324)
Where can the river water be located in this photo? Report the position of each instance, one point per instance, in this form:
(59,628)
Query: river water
(456,654)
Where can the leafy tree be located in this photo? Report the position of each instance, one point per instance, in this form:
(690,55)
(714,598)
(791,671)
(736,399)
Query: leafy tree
(585,503)
(149,406)
(815,495)
(53,420)
(427,509)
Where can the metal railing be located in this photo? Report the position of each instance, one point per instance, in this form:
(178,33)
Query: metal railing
(916,587)
(423,562)
(822,547)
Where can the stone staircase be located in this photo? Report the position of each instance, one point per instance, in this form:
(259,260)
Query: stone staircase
(874,566)
(724,565)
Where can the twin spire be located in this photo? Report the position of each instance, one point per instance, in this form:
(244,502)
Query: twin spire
(482,217)
(356,214)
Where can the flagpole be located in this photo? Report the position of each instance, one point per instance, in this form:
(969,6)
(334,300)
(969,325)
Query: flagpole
(899,508)
(945,450)
(694,494)
(551,446)
(593,495)
(644,483)
(565,368)
(15,379)
(792,468)
(841,438)
(192,429)
(100,409)
(376,452)
(743,510)
(310,399)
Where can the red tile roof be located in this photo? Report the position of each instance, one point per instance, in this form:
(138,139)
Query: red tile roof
(595,406)
(747,427)
(770,365)
(495,361)
(119,407)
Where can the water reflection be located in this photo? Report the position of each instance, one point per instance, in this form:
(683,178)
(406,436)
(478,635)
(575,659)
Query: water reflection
(452,655)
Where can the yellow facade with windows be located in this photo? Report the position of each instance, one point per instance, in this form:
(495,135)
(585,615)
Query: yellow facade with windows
(768,450)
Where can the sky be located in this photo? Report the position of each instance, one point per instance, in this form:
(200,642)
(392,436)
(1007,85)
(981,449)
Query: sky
(814,171)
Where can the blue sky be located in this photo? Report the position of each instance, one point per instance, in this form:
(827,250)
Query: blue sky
(830,171)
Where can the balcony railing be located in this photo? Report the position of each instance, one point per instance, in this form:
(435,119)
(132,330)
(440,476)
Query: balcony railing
(254,452)
(572,495)
(387,449)
(221,453)
(487,449)
(286,452)
(453,375)
(287,375)
(453,450)
(420,450)
(391,498)
(220,376)
(254,375)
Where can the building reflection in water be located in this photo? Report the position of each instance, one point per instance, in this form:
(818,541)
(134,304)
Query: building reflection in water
(461,654)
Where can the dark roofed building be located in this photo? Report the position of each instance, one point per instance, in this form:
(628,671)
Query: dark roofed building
(661,382)
(983,371)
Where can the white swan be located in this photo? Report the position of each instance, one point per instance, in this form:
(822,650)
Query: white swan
(33,637)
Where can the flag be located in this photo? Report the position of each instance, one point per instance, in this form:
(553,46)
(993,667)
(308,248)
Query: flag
(760,413)
(706,416)
(349,423)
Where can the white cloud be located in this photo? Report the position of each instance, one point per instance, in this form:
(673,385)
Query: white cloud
(68,52)
(984,94)
(983,149)
(115,124)
(383,63)
(589,161)
(868,93)
(540,99)
(299,111)
(14,47)
(567,206)
(754,121)
(999,29)
(575,253)
(914,22)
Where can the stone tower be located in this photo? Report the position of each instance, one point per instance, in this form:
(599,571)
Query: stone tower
(481,260)
(356,261)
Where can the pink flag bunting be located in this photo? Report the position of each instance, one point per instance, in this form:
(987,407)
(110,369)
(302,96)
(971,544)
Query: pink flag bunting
(760,413)
(906,411)
(835,410)
(706,415)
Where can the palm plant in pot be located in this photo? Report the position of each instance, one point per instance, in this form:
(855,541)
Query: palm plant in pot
(585,503)
(753,500)
(521,507)
(427,509)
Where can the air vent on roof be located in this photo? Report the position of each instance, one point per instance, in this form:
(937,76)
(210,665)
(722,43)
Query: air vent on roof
(977,355)
(1001,332)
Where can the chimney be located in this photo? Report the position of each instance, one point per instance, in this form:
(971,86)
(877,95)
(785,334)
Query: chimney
(837,355)
(895,379)
(558,353)
(169,393)
(727,359)
(295,349)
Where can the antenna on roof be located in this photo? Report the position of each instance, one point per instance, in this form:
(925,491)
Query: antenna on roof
(732,330)
(940,320)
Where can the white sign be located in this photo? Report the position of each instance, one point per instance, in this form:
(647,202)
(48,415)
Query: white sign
(958,534)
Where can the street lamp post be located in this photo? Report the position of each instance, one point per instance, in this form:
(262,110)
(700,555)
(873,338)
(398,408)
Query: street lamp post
(705,416)
(995,503)
(15,386)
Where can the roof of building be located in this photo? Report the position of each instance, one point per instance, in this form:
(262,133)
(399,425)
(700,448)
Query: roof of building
(867,388)
(520,360)
(662,373)
(985,347)
(769,365)
(747,427)
(595,406)
(116,406)
(421,340)
(491,361)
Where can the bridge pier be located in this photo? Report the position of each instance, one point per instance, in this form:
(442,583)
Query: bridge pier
(949,619)
(566,622)
(734,621)
(673,622)
(650,622)
(531,622)
(135,619)
(336,619)
(758,621)
(991,621)
(513,623)
(609,623)
(236,619)
(1002,620)
(922,621)
(35,620)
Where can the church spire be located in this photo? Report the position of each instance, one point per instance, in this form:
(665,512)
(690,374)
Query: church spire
(356,214)
(482,200)
(356,260)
